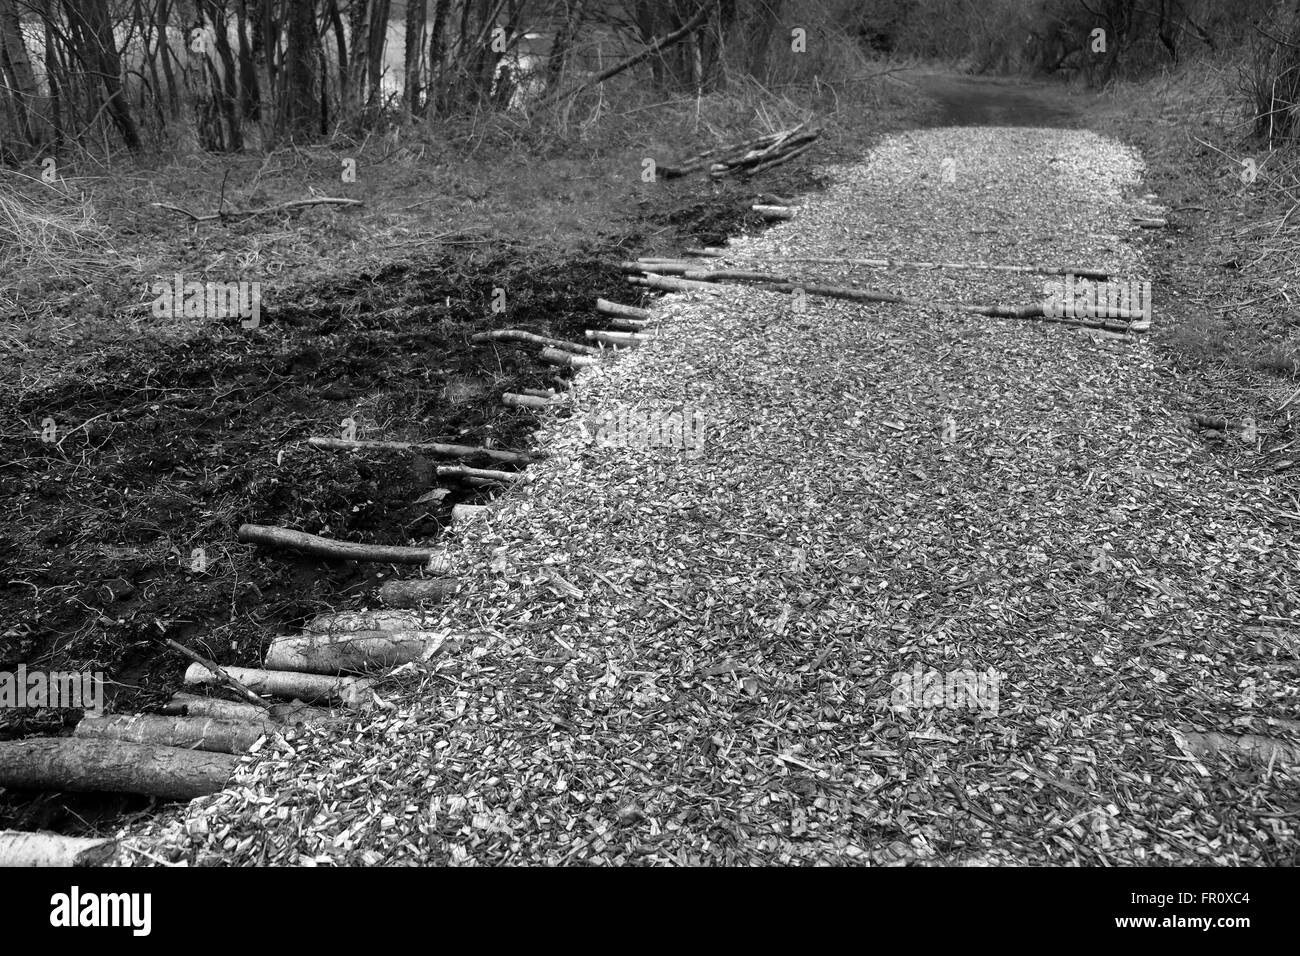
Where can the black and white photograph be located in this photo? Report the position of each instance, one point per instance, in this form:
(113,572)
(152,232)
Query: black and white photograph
(625,434)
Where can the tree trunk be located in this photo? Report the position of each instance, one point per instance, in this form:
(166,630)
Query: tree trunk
(437,40)
(66,763)
(300,69)
(189,733)
(96,47)
(53,849)
(564,40)
(17,67)
(288,684)
(413,49)
(352,652)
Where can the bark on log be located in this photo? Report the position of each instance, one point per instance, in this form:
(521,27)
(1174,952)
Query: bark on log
(618,338)
(188,733)
(660,268)
(350,691)
(706,252)
(463,514)
(1033,268)
(631,324)
(539,392)
(53,849)
(1261,748)
(357,652)
(1151,223)
(518,335)
(776,160)
(434,449)
(553,356)
(328,548)
(413,593)
(733,275)
(349,622)
(66,763)
(774,212)
(622,311)
(192,705)
(671,284)
(527,401)
(486,474)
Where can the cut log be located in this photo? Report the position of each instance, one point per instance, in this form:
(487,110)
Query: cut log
(191,705)
(433,449)
(1150,223)
(68,763)
(1266,749)
(539,392)
(357,652)
(706,252)
(350,691)
(672,284)
(463,514)
(484,474)
(774,212)
(660,268)
(527,401)
(518,335)
(346,622)
(568,359)
(626,339)
(733,275)
(661,260)
(53,849)
(623,311)
(415,592)
(189,733)
(632,324)
(273,537)
(1081,272)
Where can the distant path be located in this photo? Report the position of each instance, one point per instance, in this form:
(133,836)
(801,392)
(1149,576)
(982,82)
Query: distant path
(994,101)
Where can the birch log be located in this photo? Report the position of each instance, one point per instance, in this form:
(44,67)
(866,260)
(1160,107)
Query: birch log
(356,652)
(189,733)
(568,359)
(433,449)
(273,537)
(415,592)
(350,691)
(606,307)
(518,335)
(67,763)
(52,849)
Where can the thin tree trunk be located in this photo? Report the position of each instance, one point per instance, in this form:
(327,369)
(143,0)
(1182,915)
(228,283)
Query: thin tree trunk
(300,68)
(18,67)
(416,12)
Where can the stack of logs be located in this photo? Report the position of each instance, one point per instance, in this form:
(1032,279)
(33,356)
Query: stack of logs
(193,747)
(747,158)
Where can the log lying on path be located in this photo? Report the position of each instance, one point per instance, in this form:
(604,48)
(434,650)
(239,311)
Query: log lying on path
(357,652)
(350,691)
(273,537)
(518,335)
(53,849)
(67,763)
(606,307)
(774,212)
(1137,321)
(189,733)
(40,849)
(462,514)
(706,252)
(1267,749)
(553,356)
(485,474)
(1150,223)
(516,400)
(734,275)
(631,325)
(1082,272)
(346,622)
(661,268)
(220,673)
(415,592)
(626,339)
(192,705)
(433,449)
(671,284)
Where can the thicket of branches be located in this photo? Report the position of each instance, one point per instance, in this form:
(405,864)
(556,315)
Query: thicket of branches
(236,74)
